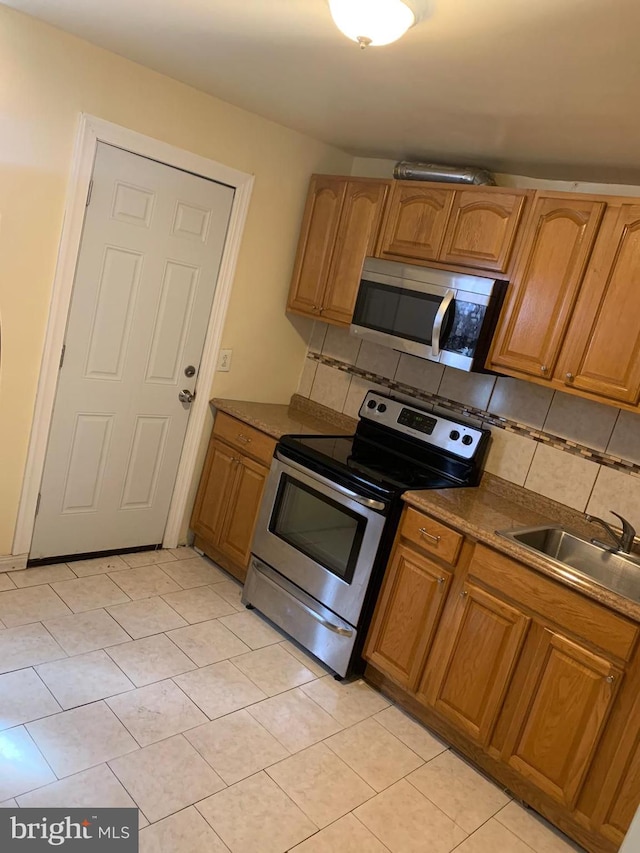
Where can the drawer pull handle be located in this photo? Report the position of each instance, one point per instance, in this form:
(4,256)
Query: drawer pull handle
(610,679)
(244,438)
(423,532)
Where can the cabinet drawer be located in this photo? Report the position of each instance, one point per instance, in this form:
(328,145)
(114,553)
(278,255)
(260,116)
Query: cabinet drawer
(430,535)
(560,605)
(245,438)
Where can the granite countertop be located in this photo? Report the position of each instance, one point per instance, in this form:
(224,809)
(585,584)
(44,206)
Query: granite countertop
(300,417)
(499,505)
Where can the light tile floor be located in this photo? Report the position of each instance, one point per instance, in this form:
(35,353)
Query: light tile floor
(225,734)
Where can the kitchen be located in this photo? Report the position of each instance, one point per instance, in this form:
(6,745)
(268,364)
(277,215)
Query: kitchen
(260,371)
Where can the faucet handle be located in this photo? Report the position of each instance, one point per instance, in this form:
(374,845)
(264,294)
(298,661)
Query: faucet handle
(628,530)
(626,525)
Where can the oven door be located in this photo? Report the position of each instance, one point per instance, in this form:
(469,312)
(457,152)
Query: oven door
(319,535)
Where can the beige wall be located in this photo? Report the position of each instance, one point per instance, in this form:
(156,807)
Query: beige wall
(46,79)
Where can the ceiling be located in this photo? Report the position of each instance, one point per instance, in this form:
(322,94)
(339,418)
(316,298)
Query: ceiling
(547,88)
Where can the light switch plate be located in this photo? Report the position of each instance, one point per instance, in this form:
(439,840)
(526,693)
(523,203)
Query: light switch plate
(224,360)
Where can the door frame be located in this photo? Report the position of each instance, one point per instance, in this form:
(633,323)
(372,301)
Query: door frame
(92,130)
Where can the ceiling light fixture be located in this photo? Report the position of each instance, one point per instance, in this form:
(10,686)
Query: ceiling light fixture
(372,22)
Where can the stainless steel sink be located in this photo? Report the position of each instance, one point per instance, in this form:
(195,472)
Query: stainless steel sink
(616,571)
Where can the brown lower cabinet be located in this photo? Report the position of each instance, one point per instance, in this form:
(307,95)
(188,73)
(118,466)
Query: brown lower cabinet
(230,491)
(534,682)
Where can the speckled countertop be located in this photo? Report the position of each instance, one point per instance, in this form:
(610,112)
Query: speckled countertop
(300,417)
(499,505)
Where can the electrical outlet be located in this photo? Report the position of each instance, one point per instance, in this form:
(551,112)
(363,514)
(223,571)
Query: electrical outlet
(224,360)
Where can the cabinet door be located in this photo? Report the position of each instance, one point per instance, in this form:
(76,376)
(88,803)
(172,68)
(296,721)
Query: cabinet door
(621,789)
(407,615)
(355,239)
(472,661)
(415,222)
(482,229)
(315,246)
(545,285)
(559,718)
(602,352)
(216,486)
(242,514)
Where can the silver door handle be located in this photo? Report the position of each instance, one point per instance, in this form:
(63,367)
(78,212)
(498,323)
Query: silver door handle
(368,502)
(186,396)
(438,320)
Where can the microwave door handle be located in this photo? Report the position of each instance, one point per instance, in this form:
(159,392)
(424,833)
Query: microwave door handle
(438,320)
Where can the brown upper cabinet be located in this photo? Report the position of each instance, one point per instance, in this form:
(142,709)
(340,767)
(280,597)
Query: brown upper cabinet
(571,315)
(543,291)
(601,353)
(339,229)
(471,227)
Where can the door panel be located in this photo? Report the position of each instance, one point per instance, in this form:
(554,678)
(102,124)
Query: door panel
(240,520)
(415,222)
(215,492)
(111,326)
(356,237)
(87,461)
(472,661)
(545,284)
(144,284)
(482,229)
(179,289)
(145,462)
(315,246)
(602,352)
(407,615)
(559,719)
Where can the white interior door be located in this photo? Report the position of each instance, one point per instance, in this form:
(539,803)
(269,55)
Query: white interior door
(144,284)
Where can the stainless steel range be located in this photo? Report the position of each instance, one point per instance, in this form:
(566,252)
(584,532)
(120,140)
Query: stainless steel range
(329,515)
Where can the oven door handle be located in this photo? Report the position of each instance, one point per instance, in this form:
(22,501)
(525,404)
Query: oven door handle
(337,629)
(438,321)
(370,503)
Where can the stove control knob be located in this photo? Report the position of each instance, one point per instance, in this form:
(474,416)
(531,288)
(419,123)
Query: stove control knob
(382,408)
(467,439)
(454,435)
(371,404)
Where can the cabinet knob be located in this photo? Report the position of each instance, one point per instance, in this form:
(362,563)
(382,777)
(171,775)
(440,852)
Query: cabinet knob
(464,593)
(569,377)
(426,535)
(544,368)
(440,580)
(610,679)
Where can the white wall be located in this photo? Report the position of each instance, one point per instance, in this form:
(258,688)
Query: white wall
(47,79)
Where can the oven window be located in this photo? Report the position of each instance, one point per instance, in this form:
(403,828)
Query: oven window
(323,529)
(396,311)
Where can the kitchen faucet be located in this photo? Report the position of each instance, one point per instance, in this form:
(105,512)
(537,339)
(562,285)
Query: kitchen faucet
(624,540)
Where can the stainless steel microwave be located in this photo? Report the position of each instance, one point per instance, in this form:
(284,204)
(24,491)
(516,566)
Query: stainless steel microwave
(434,314)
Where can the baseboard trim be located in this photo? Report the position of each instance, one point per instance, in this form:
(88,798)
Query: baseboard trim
(14,562)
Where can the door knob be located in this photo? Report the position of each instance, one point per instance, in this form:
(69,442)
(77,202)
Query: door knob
(186,396)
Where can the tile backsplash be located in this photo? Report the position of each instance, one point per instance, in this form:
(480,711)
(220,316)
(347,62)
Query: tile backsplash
(578,452)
